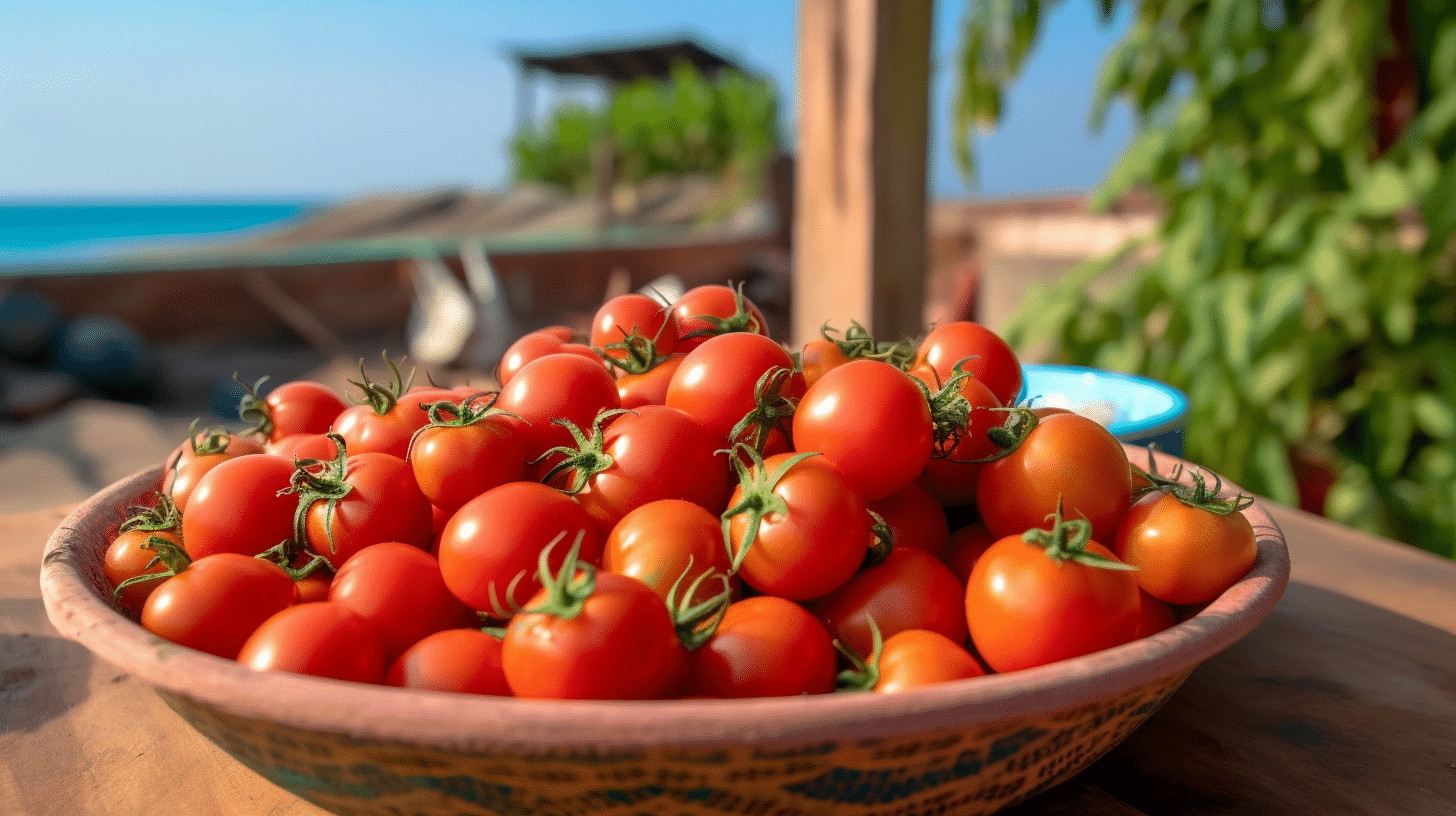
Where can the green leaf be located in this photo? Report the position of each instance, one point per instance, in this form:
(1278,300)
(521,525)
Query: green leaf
(1235,323)
(1341,293)
(1439,208)
(1383,192)
(1434,415)
(1274,372)
(1271,461)
(1333,116)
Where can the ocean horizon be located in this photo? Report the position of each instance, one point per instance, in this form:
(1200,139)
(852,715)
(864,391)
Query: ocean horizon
(41,232)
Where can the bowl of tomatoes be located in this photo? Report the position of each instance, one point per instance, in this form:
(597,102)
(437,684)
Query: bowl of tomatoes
(810,628)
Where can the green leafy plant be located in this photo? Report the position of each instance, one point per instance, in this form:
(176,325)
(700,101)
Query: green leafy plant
(690,124)
(1301,285)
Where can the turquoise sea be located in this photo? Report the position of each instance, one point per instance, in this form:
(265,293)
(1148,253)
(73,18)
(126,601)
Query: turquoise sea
(55,233)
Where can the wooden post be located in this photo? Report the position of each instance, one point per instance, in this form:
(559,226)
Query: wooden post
(860,224)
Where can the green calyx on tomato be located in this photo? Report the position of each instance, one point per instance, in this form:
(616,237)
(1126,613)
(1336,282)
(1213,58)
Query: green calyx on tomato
(162,516)
(1009,435)
(757,498)
(382,397)
(635,353)
(1067,541)
(864,672)
(882,544)
(857,343)
(743,319)
(210,442)
(587,457)
(696,622)
(461,413)
(174,557)
(567,590)
(253,409)
(1200,494)
(772,409)
(318,480)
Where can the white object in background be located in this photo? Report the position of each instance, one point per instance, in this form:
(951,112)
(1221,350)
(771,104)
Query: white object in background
(495,327)
(442,315)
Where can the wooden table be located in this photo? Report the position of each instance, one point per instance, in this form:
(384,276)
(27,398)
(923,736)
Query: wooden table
(1342,702)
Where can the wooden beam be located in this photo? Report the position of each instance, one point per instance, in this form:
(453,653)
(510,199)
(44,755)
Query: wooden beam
(860,225)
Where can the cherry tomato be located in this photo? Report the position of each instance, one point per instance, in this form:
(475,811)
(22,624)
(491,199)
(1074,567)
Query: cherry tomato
(1027,608)
(126,558)
(819,356)
(388,417)
(203,451)
(467,452)
(537,344)
(967,544)
(910,589)
(1153,615)
(295,407)
(649,387)
(616,643)
(811,533)
(652,453)
(1067,458)
(500,534)
(713,309)
(464,661)
(216,602)
(633,326)
(398,588)
(240,506)
(667,540)
(364,499)
(979,351)
(322,639)
(1185,554)
(916,657)
(953,472)
(765,646)
(872,421)
(558,386)
(303,446)
(715,383)
(915,519)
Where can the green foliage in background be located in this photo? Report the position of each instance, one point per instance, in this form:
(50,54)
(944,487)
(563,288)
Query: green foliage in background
(690,124)
(1301,288)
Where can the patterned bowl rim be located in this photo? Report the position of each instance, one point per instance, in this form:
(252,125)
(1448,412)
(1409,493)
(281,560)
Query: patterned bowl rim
(464,721)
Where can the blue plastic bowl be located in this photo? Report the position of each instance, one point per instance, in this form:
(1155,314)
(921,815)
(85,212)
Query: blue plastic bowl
(1137,410)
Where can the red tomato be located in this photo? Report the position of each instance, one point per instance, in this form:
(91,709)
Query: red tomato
(809,534)
(915,519)
(323,639)
(872,421)
(1185,554)
(715,383)
(126,558)
(360,500)
(466,453)
(315,586)
(633,330)
(1153,615)
(464,661)
(652,453)
(819,356)
(242,505)
(537,344)
(388,417)
(910,589)
(299,406)
(765,646)
(398,588)
(215,604)
(953,473)
(667,540)
(500,535)
(1028,605)
(979,351)
(1066,458)
(614,641)
(558,386)
(649,387)
(304,446)
(966,546)
(712,309)
(202,452)
(916,657)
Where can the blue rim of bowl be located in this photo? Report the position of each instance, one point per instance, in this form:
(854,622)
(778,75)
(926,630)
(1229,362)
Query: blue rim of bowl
(1171,419)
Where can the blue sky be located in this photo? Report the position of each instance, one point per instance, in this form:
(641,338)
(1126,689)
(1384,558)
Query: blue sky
(327,98)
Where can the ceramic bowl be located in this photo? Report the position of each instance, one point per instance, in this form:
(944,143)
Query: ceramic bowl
(965,747)
(1138,410)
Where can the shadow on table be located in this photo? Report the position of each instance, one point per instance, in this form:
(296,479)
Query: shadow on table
(41,678)
(1331,705)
